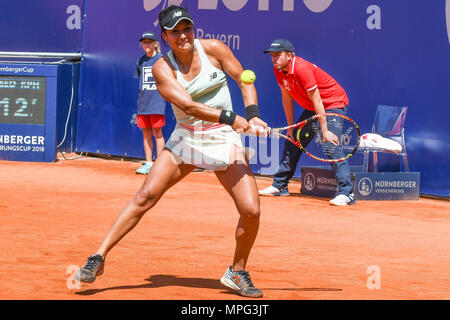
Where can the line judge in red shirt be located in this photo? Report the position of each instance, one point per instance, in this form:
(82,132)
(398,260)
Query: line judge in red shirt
(317,92)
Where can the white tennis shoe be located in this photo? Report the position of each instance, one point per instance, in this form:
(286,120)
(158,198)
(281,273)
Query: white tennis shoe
(343,200)
(272,191)
(145,169)
(268,191)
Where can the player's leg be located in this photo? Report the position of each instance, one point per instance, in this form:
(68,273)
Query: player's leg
(239,182)
(167,173)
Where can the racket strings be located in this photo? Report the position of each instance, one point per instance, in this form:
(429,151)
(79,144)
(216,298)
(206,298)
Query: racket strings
(343,129)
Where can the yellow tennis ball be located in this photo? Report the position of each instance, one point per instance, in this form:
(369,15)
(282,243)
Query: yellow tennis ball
(248,76)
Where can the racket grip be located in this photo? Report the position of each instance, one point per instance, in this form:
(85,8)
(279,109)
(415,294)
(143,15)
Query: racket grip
(257,131)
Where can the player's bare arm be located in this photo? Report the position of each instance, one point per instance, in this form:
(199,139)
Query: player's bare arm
(228,63)
(171,90)
(222,57)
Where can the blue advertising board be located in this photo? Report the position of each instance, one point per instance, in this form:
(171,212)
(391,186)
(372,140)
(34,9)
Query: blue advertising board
(382,52)
(321,182)
(387,185)
(41,26)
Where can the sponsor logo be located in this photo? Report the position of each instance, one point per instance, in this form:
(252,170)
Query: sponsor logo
(263,5)
(237,5)
(19,143)
(19,139)
(148,83)
(149,5)
(231,40)
(388,185)
(212,76)
(365,187)
(147,74)
(16,69)
(317,5)
(309,181)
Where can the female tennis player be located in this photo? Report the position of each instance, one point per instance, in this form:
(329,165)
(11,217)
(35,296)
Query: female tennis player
(192,78)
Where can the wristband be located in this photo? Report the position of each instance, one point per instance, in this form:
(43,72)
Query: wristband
(251,111)
(227,117)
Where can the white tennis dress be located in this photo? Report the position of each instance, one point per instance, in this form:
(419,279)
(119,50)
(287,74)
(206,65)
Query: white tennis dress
(202,143)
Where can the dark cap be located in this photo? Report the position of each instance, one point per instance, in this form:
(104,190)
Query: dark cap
(278,45)
(149,35)
(172,18)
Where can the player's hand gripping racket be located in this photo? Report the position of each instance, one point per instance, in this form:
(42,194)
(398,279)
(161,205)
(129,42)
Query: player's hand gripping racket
(340,142)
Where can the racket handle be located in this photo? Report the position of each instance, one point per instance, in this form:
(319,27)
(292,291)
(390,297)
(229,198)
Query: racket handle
(258,131)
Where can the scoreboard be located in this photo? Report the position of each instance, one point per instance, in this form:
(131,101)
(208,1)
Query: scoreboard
(22,99)
(29,95)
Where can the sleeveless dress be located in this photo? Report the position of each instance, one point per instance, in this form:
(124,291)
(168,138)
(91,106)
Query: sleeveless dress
(194,141)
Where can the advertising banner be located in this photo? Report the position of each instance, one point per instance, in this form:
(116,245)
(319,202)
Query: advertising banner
(381,52)
(387,186)
(321,182)
(41,26)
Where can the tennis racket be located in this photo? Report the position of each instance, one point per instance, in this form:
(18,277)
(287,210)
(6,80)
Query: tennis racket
(307,135)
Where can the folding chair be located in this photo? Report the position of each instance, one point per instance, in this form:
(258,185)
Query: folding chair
(389,123)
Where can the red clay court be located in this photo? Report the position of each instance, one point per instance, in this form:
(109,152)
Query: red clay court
(54,215)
